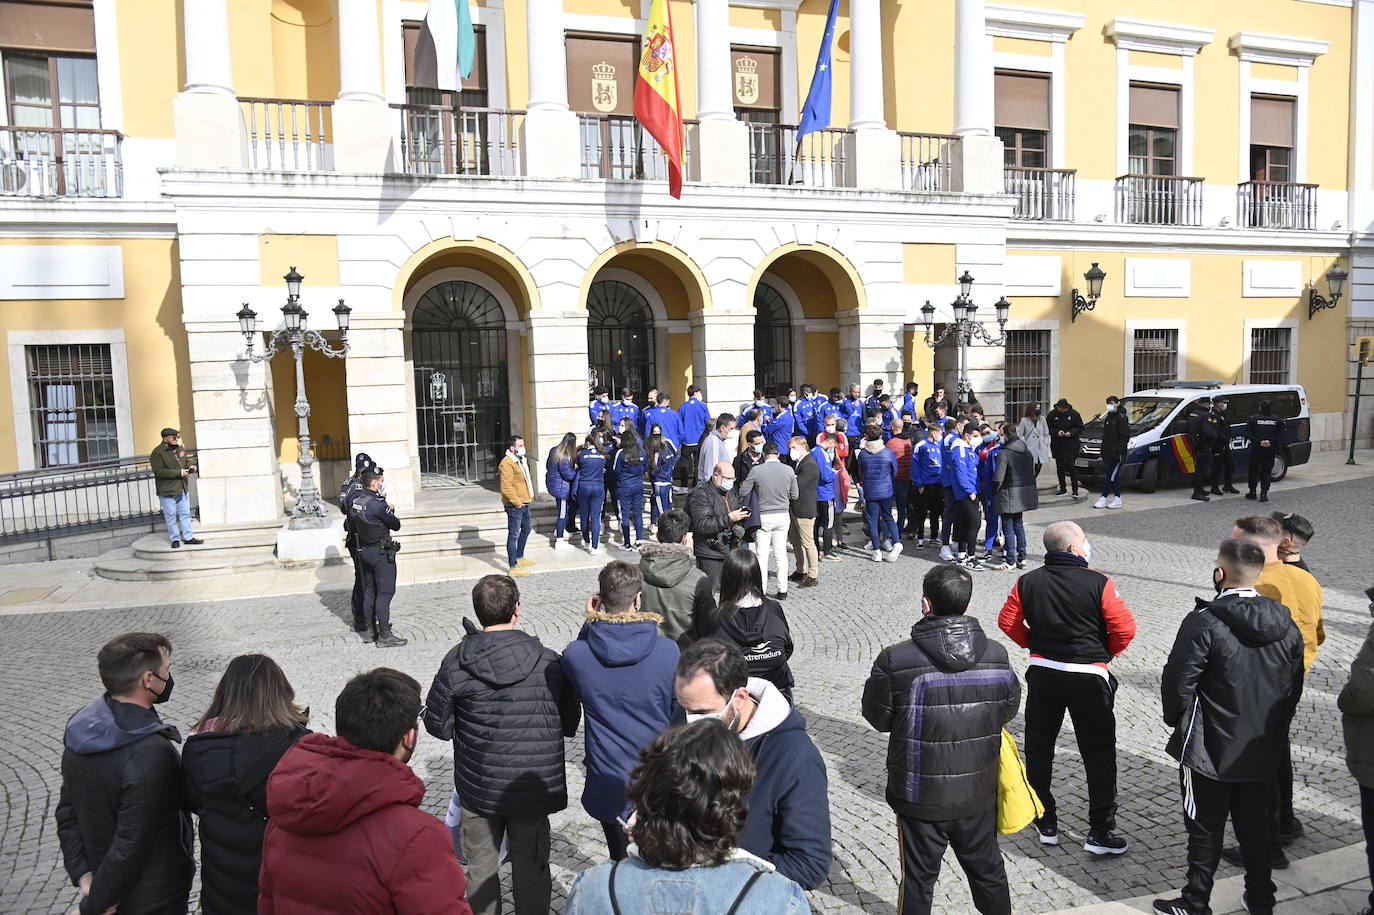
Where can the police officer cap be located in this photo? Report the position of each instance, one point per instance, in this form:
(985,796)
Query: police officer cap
(169,431)
(1266,405)
(1204,399)
(362,461)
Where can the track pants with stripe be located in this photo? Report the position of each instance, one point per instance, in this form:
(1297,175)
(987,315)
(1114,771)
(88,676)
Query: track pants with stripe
(1206,805)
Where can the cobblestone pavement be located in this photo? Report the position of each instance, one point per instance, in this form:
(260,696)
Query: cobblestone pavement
(1159,558)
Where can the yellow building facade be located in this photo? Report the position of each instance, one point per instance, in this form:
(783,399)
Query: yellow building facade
(508,244)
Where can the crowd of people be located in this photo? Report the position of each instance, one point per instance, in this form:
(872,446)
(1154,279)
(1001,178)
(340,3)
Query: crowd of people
(709,791)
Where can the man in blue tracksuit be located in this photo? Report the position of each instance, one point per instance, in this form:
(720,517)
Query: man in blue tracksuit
(759,403)
(872,403)
(808,420)
(927,462)
(624,409)
(885,414)
(591,493)
(854,412)
(833,406)
(695,418)
(601,402)
(987,467)
(964,461)
(953,429)
(667,420)
(910,404)
(825,500)
(781,427)
(878,471)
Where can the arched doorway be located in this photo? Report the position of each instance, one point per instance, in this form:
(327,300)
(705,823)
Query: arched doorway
(773,362)
(462,405)
(620,339)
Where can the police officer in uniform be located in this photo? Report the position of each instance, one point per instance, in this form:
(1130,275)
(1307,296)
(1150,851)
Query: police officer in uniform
(1223,465)
(347,490)
(1200,435)
(1265,433)
(373,521)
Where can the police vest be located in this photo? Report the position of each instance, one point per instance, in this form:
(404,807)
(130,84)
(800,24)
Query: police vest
(369,532)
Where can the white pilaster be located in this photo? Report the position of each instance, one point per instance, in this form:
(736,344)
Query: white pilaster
(380,402)
(1361,132)
(715,100)
(549,136)
(205,113)
(723,356)
(558,377)
(361,118)
(973,109)
(866,65)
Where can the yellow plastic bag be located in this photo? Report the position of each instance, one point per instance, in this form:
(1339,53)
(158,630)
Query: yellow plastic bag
(1017,804)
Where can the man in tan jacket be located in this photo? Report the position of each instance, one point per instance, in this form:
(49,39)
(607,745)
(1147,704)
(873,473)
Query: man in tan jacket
(516,494)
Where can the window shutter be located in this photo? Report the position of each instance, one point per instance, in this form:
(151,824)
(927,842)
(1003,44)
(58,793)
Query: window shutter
(1271,121)
(410,37)
(1022,101)
(56,25)
(1154,106)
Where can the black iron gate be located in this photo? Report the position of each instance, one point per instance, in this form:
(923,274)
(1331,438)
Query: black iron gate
(620,339)
(462,395)
(772,341)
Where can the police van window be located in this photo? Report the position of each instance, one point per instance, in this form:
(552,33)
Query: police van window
(1287,404)
(1144,413)
(1240,407)
(1179,426)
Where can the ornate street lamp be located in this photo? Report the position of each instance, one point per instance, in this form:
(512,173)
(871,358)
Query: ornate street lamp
(1335,282)
(310,510)
(1094,276)
(965,328)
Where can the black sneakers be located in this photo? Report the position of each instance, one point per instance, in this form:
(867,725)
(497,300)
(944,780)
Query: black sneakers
(1231,854)
(193,541)
(176,544)
(1172,907)
(1105,843)
(385,639)
(1049,835)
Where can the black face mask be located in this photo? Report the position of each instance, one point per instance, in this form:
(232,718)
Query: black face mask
(1217,577)
(166,689)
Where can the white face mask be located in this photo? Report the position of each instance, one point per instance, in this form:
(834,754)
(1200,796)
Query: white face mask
(758,448)
(797,455)
(520,452)
(1087,551)
(1111,408)
(697,716)
(791,398)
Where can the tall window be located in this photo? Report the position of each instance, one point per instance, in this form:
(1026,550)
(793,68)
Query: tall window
(72,404)
(1154,358)
(1023,119)
(620,339)
(1152,142)
(474,87)
(1027,371)
(1271,139)
(1270,351)
(772,341)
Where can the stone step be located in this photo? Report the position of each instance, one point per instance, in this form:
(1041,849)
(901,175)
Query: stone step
(123,565)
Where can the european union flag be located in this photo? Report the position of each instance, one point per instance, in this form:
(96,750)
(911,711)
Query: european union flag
(815,113)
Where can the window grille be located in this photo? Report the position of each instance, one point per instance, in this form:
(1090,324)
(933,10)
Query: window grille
(1027,371)
(1154,358)
(1270,351)
(71,398)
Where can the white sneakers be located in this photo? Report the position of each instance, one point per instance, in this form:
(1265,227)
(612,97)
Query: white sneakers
(561,545)
(1100,503)
(877,555)
(946,553)
(596,551)
(892,554)
(1115,503)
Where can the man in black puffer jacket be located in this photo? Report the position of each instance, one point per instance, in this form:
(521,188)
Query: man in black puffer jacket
(944,695)
(1229,688)
(126,837)
(502,699)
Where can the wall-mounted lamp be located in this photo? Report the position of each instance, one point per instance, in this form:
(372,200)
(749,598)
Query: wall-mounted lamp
(1094,276)
(1335,284)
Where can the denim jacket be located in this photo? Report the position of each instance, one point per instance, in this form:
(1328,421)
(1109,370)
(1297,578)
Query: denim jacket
(642,889)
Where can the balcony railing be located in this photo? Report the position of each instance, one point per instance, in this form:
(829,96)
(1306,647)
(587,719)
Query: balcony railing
(288,135)
(60,162)
(618,146)
(466,141)
(776,157)
(1045,194)
(927,161)
(1277,205)
(1159,200)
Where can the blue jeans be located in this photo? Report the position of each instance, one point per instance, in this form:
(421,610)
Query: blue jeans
(900,493)
(878,515)
(589,500)
(518,525)
(661,502)
(176,511)
(1112,485)
(631,513)
(1014,537)
(990,513)
(565,509)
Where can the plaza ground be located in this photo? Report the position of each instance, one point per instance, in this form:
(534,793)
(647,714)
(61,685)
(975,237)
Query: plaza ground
(1160,553)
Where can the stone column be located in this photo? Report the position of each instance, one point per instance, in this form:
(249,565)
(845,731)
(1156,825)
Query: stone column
(871,347)
(380,401)
(549,140)
(723,357)
(209,128)
(361,119)
(978,155)
(873,150)
(557,344)
(239,481)
(722,141)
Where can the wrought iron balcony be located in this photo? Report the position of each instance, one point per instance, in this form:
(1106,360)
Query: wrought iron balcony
(288,135)
(1044,194)
(618,146)
(60,162)
(466,141)
(818,160)
(927,161)
(1276,205)
(1159,200)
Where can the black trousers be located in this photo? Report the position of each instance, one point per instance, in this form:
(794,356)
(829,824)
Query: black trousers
(712,569)
(1206,805)
(824,530)
(967,517)
(1090,701)
(930,506)
(379,587)
(617,842)
(1202,470)
(974,839)
(357,597)
(528,846)
(1367,819)
(1281,816)
(1223,467)
(1064,466)
(686,470)
(1261,468)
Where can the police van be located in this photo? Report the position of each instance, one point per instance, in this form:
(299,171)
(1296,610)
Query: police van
(1159,450)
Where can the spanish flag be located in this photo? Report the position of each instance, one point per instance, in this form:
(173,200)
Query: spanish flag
(656,95)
